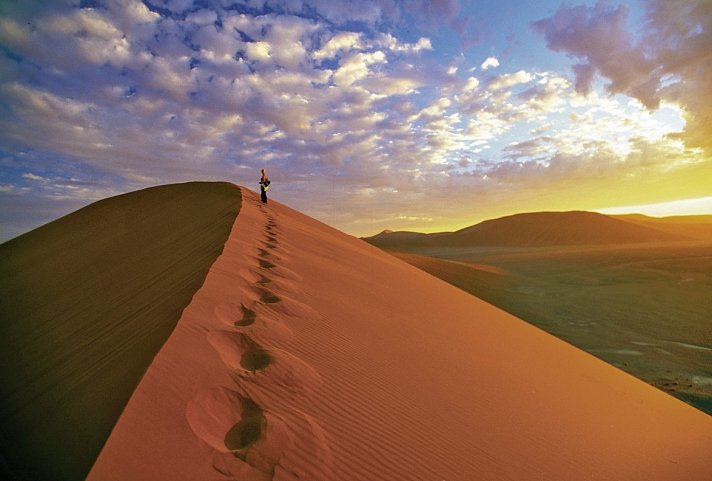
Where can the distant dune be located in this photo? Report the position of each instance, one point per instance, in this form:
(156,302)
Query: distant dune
(538,229)
(310,355)
(87,301)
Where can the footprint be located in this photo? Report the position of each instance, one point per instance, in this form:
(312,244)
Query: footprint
(258,293)
(268,298)
(265,254)
(255,358)
(283,373)
(265,329)
(247,441)
(235,315)
(277,271)
(266,264)
(239,352)
(225,420)
(285,378)
(248,430)
(248,317)
(254,277)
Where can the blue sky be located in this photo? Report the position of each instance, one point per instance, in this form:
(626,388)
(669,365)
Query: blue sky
(367,115)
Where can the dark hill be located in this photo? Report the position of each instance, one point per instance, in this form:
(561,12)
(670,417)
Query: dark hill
(87,302)
(534,230)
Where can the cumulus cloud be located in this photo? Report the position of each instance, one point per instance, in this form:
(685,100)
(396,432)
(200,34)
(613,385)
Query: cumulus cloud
(340,43)
(490,62)
(508,80)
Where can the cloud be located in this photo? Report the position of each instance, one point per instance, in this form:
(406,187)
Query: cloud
(340,43)
(669,62)
(357,67)
(600,36)
(31,176)
(490,62)
(508,80)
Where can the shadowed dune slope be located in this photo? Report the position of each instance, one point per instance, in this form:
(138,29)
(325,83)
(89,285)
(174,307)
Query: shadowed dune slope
(534,229)
(311,355)
(87,301)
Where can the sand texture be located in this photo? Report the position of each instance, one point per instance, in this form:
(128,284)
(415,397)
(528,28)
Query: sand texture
(308,354)
(86,303)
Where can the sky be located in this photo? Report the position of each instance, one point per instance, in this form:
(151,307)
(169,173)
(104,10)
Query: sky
(370,115)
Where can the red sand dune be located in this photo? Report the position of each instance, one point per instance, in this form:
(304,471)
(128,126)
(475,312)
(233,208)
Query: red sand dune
(308,354)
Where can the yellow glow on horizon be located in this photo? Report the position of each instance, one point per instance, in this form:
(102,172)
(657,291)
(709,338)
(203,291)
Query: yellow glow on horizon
(699,206)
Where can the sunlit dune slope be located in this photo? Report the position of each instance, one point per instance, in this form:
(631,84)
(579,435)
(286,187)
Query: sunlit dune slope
(535,229)
(86,302)
(310,355)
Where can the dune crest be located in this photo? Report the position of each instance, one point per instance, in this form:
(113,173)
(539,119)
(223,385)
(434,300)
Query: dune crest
(311,355)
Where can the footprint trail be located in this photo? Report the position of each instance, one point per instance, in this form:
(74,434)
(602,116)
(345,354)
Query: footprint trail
(255,434)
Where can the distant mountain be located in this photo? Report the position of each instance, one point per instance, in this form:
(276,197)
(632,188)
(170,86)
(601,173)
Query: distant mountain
(538,229)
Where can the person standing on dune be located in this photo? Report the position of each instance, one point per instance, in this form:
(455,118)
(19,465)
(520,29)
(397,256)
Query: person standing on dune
(264,186)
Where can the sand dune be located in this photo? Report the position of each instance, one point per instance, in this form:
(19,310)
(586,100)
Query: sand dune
(86,302)
(308,354)
(536,229)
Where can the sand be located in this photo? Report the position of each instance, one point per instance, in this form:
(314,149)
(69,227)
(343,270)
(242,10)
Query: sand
(86,303)
(309,354)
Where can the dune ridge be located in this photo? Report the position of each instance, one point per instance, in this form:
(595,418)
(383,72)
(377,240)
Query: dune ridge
(370,369)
